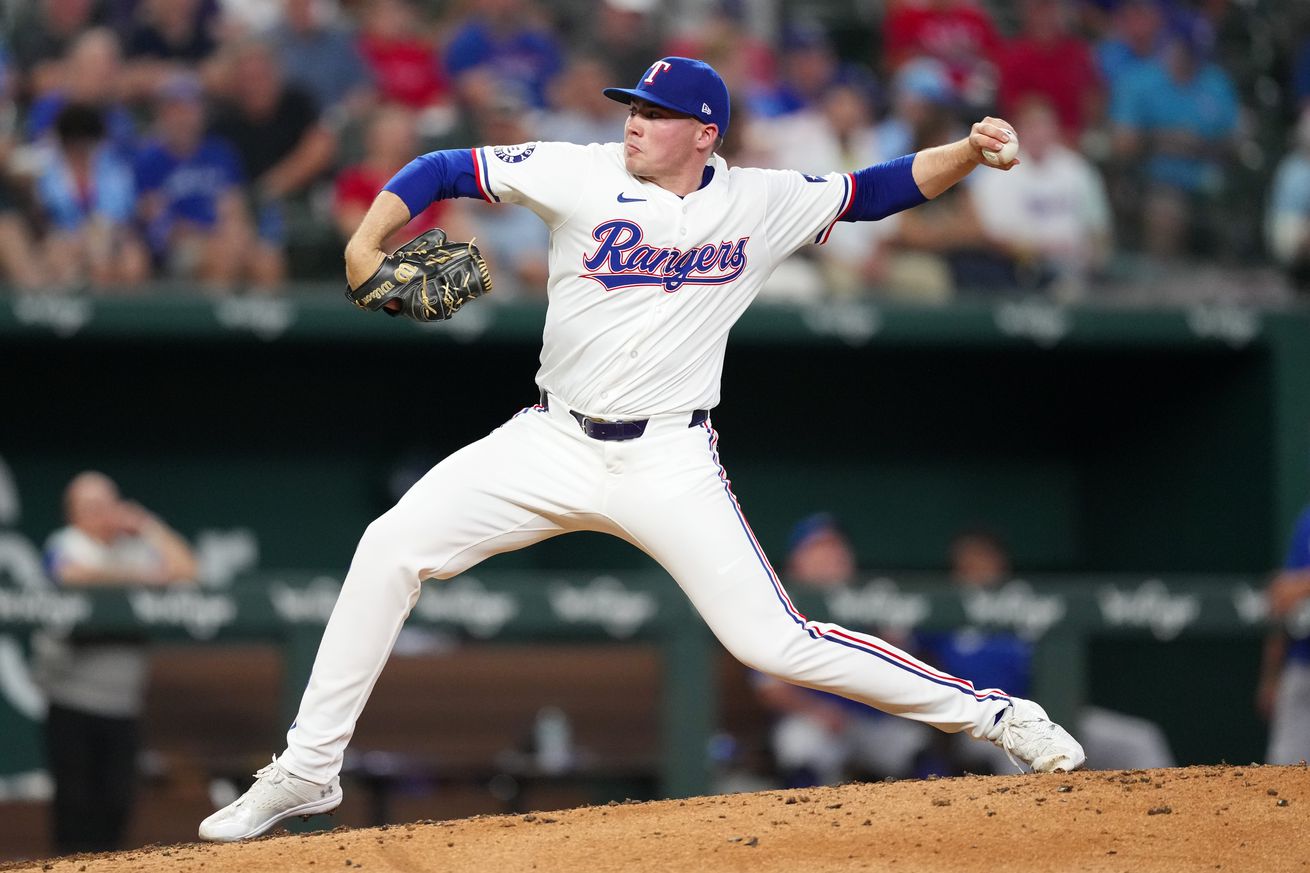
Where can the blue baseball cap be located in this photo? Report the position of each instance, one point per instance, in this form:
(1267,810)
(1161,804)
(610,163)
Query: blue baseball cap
(683,85)
(812,526)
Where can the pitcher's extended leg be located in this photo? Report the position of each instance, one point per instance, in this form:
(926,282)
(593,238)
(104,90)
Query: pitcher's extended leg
(512,488)
(686,517)
(684,514)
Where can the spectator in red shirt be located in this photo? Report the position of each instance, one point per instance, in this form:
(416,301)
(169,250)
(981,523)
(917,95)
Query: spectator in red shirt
(391,141)
(402,56)
(958,33)
(1048,60)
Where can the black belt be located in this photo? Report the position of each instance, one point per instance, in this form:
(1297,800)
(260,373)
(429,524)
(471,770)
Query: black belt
(602,429)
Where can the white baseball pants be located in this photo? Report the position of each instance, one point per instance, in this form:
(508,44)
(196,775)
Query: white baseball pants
(538,476)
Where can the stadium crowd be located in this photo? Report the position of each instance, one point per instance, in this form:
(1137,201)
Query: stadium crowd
(232,145)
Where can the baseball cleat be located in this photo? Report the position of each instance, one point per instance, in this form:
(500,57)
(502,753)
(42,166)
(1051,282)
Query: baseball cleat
(275,796)
(1028,736)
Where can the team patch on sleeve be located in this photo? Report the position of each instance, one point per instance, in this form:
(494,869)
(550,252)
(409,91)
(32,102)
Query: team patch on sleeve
(514,154)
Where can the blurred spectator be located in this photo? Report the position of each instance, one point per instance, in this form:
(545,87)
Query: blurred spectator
(283,144)
(92,75)
(1177,118)
(1287,222)
(405,63)
(837,135)
(1284,691)
(16,247)
(807,68)
(922,100)
(167,37)
(244,19)
(724,40)
(1113,740)
(1051,214)
(821,738)
(509,42)
(191,202)
(939,248)
(96,686)
(1136,36)
(87,196)
(1047,58)
(320,55)
(514,241)
(958,33)
(391,141)
(623,36)
(579,111)
(47,31)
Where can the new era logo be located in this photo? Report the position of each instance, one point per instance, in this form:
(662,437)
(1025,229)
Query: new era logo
(705,107)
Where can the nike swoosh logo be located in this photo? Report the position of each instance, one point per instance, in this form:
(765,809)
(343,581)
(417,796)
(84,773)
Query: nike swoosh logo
(623,199)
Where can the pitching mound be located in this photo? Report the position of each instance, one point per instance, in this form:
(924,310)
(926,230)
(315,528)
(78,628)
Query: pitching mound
(1196,818)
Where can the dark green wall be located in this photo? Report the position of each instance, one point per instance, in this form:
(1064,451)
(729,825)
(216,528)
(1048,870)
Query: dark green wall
(1084,459)
(1092,440)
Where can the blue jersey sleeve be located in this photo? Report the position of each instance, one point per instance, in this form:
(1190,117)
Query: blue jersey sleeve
(435,176)
(884,189)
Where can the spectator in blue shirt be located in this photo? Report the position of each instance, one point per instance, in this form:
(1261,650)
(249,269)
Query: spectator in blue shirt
(1135,37)
(808,67)
(507,41)
(88,197)
(1284,692)
(1177,119)
(191,201)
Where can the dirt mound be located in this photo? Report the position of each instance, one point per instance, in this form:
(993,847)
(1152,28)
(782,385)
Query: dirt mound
(1196,818)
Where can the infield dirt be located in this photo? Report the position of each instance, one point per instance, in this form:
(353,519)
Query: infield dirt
(1254,818)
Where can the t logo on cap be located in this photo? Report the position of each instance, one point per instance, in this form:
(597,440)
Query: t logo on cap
(655,69)
(684,85)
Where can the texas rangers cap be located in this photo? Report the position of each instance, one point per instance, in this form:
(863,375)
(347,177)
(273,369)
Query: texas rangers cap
(684,85)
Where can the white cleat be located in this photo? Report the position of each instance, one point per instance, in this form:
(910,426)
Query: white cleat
(276,795)
(1028,736)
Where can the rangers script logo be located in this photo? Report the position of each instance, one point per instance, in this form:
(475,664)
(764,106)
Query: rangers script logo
(621,261)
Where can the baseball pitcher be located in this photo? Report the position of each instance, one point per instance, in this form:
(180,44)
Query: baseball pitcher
(656,249)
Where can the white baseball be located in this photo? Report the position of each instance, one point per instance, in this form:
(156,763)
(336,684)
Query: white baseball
(1006,153)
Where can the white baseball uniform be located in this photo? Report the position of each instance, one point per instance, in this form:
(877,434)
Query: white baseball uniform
(644,288)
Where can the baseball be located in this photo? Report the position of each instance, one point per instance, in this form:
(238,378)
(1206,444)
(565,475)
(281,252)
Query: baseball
(1007,152)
